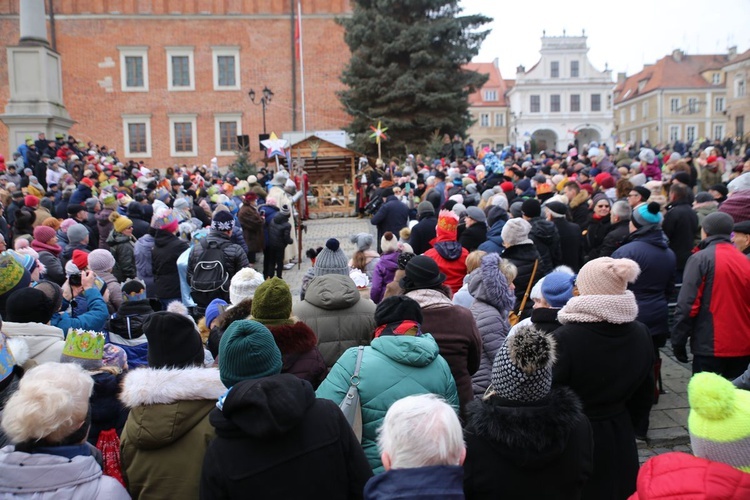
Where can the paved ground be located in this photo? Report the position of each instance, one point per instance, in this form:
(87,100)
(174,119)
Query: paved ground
(668,430)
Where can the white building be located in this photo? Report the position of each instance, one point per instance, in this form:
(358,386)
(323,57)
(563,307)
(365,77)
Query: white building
(563,99)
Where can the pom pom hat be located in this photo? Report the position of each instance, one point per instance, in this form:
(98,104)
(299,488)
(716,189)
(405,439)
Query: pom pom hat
(331,260)
(647,214)
(522,369)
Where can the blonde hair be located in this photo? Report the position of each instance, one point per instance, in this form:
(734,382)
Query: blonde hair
(51,403)
(509,270)
(474,260)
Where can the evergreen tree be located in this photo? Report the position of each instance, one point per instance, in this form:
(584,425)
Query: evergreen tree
(242,166)
(406,70)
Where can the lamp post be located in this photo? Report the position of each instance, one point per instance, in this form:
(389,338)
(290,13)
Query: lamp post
(267,96)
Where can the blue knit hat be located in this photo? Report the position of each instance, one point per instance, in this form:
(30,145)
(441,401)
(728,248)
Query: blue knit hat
(647,214)
(557,288)
(213,310)
(247,350)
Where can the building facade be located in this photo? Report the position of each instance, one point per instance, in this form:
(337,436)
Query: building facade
(489,108)
(167,81)
(562,99)
(737,75)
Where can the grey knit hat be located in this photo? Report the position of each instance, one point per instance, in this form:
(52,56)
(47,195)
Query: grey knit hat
(522,370)
(331,260)
(362,240)
(77,233)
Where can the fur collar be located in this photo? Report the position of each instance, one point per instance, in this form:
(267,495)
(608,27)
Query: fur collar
(237,312)
(149,386)
(579,199)
(294,339)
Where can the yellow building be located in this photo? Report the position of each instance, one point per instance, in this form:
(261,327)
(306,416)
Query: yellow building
(738,100)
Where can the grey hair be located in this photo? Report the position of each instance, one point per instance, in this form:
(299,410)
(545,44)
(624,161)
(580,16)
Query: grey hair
(621,209)
(430,418)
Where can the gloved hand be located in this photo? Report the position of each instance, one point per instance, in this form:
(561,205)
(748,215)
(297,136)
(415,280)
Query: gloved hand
(680,352)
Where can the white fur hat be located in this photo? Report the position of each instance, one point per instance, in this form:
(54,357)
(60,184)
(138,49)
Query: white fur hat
(516,232)
(244,284)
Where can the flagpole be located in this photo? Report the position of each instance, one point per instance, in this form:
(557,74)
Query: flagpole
(301,68)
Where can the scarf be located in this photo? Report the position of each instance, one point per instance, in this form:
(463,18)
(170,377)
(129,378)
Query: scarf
(42,247)
(616,309)
(407,327)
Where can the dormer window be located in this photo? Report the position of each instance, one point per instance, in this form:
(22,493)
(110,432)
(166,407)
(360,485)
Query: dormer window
(490,95)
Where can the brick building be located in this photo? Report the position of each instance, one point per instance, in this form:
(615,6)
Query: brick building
(167,81)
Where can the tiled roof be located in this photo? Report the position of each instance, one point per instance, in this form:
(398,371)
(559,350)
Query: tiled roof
(740,57)
(495,82)
(669,73)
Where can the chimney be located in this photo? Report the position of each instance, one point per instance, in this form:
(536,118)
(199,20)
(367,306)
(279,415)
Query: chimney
(732,52)
(496,63)
(520,69)
(621,77)
(677,55)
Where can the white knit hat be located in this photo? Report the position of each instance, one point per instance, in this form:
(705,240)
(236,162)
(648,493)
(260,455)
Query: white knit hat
(516,232)
(244,284)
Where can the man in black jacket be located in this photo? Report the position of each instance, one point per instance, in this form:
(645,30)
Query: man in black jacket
(680,226)
(425,230)
(392,216)
(543,233)
(570,234)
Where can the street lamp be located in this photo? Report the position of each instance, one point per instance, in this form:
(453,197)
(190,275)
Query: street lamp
(267,95)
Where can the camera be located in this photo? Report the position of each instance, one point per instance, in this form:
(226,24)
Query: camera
(75,280)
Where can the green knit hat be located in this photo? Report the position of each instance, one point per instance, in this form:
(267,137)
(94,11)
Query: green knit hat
(272,302)
(247,350)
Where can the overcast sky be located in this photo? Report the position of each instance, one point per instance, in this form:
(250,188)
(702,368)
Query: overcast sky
(626,35)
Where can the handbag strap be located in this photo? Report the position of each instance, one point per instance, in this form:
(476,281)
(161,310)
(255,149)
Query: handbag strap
(354,379)
(528,288)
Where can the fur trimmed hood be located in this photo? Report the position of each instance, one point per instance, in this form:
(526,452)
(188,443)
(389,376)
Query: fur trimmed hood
(528,435)
(487,284)
(579,199)
(148,386)
(239,311)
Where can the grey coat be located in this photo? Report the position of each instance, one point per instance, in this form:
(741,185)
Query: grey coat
(493,299)
(143,264)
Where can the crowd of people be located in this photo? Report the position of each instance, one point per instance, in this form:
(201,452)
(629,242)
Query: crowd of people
(502,332)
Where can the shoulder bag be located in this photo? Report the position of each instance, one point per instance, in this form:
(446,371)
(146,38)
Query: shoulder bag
(514,317)
(351,406)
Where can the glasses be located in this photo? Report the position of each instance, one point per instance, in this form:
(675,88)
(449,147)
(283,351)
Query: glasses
(602,206)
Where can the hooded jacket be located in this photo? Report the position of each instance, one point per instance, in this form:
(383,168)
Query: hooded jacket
(299,352)
(451,260)
(570,242)
(334,309)
(542,449)
(473,236)
(143,264)
(167,432)
(383,274)
(105,226)
(122,248)
(494,240)
(423,233)
(274,439)
(125,329)
(45,342)
(279,231)
(680,225)
(167,249)
(393,367)
(547,241)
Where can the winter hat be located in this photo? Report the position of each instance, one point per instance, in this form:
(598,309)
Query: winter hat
(73,210)
(115,356)
(362,240)
(180,204)
(247,350)
(272,303)
(66,225)
(398,308)
(459,209)
(53,292)
(682,177)
(647,214)
(741,183)
(31,201)
(404,258)
(12,274)
(476,214)
(531,208)
(389,242)
(425,208)
(506,186)
(599,197)
(704,197)
(285,210)
(77,233)
(133,290)
(524,185)
(29,305)
(244,284)
(109,200)
(557,288)
(447,226)
(719,420)
(213,310)
(647,155)
(101,260)
(718,223)
(120,222)
(83,347)
(557,208)
(516,232)
(91,204)
(643,191)
(607,276)
(421,272)
(71,268)
(222,221)
(165,220)
(80,259)
(87,182)
(27,261)
(742,227)
(43,234)
(173,341)
(522,370)
(515,209)
(331,260)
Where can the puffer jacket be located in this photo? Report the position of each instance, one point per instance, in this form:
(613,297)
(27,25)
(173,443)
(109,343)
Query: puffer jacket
(43,476)
(493,300)
(383,274)
(451,260)
(393,367)
(122,248)
(105,226)
(300,355)
(523,257)
(167,249)
(143,263)
(334,309)
(423,233)
(279,231)
(167,430)
(125,329)
(680,225)
(235,259)
(547,240)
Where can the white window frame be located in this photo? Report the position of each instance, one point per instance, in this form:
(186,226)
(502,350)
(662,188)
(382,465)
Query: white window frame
(182,118)
(644,109)
(225,117)
(622,116)
(716,78)
(720,128)
(719,104)
(490,95)
(740,88)
(644,134)
(134,119)
(674,133)
(578,69)
(484,120)
(134,51)
(632,113)
(233,51)
(499,119)
(674,105)
(693,106)
(688,128)
(632,136)
(177,52)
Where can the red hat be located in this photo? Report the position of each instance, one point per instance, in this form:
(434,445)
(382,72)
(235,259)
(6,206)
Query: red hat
(506,186)
(87,182)
(43,234)
(80,259)
(711,159)
(608,182)
(31,200)
(600,178)
(588,188)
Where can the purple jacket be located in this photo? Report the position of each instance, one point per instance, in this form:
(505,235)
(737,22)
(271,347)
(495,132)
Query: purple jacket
(383,274)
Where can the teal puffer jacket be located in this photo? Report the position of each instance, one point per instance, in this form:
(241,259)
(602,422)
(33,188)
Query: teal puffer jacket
(393,367)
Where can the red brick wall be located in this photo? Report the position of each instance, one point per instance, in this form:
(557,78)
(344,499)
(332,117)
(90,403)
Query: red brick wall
(88,33)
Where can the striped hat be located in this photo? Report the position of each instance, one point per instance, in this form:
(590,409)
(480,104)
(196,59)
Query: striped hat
(719,420)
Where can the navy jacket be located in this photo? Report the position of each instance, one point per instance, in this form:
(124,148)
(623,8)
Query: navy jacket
(392,216)
(437,481)
(423,233)
(494,241)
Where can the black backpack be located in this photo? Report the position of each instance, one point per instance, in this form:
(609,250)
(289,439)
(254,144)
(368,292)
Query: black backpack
(209,274)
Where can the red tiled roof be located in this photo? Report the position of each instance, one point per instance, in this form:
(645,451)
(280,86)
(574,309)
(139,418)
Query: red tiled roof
(495,82)
(668,73)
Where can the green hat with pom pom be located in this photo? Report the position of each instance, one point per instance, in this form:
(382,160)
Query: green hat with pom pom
(719,420)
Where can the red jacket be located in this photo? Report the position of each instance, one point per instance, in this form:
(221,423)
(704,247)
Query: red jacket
(679,475)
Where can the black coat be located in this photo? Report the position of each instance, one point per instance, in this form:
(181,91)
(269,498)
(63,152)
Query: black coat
(610,367)
(274,439)
(613,239)
(570,242)
(55,271)
(423,233)
(129,319)
(140,227)
(234,259)
(534,450)
(523,257)
(167,249)
(680,225)
(279,232)
(547,240)
(107,412)
(594,237)
(473,236)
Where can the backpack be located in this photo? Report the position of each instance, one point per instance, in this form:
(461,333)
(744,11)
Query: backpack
(209,274)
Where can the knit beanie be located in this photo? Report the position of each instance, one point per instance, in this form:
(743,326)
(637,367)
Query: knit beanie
(447,226)
(222,221)
(120,222)
(66,224)
(719,420)
(108,200)
(718,223)
(607,276)
(331,260)
(557,288)
(173,341)
(272,303)
(43,234)
(53,292)
(12,274)
(133,291)
(213,310)
(165,220)
(531,208)
(516,232)
(28,305)
(362,240)
(647,214)
(31,201)
(101,260)
(80,259)
(522,370)
(77,233)
(244,284)
(388,243)
(425,208)
(247,350)
(91,204)
(73,210)
(26,260)
(397,308)
(83,347)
